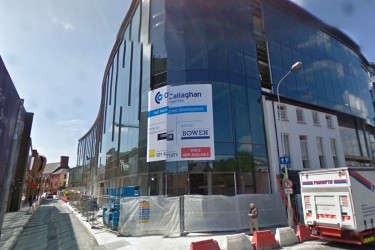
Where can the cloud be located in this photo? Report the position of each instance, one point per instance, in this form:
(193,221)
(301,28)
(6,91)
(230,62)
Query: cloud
(300,2)
(65,24)
(74,122)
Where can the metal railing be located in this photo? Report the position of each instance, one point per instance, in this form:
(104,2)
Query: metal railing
(87,206)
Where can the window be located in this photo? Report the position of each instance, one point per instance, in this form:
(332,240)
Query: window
(334,152)
(319,142)
(282,112)
(304,151)
(286,145)
(300,117)
(329,121)
(315,116)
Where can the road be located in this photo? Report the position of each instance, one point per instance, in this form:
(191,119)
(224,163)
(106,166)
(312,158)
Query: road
(53,226)
(323,245)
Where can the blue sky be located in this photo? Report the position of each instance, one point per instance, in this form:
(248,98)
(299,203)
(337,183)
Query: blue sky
(56,52)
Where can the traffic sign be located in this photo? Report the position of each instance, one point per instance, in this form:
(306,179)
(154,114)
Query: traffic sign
(288,183)
(288,190)
(284,160)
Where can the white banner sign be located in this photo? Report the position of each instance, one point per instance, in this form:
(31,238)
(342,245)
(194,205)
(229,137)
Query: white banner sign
(180,123)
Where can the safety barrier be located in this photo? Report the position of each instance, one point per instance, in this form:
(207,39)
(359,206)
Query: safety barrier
(263,240)
(238,241)
(303,233)
(286,236)
(210,244)
(34,206)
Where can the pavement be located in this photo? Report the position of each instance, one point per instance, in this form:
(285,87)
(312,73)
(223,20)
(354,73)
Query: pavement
(14,223)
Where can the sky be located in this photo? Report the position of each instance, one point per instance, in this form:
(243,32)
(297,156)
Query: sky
(56,53)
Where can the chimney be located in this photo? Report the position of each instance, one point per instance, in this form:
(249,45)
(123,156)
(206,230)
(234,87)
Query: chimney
(64,161)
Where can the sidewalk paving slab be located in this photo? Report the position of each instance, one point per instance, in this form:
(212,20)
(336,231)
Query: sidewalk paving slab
(14,223)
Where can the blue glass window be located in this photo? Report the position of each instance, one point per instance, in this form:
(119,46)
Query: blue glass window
(240,114)
(256,114)
(222,110)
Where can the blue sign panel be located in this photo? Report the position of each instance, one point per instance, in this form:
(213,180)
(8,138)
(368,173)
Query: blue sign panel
(285,160)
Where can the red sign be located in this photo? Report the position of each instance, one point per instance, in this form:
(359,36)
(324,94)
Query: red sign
(199,152)
(288,183)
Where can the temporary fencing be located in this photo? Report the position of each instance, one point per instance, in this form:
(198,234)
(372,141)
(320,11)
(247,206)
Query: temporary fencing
(150,215)
(196,213)
(172,216)
(225,213)
(86,205)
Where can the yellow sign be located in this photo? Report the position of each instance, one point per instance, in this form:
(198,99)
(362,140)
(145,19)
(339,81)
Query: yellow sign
(151,153)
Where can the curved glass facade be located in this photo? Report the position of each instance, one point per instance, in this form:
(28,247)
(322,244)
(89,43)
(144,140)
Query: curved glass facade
(333,76)
(182,42)
(192,45)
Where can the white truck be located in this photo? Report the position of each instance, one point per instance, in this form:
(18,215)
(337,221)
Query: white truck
(339,204)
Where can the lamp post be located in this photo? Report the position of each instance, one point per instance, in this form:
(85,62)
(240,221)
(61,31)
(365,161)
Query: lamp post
(294,67)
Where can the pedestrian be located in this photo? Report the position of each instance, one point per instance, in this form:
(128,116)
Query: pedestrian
(253,218)
(30,201)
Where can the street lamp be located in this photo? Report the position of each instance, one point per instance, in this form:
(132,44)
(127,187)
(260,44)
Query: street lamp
(294,67)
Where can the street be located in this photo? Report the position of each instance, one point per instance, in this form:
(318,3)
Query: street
(53,226)
(318,244)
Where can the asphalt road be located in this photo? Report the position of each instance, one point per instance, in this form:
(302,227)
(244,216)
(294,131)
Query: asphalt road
(53,226)
(317,245)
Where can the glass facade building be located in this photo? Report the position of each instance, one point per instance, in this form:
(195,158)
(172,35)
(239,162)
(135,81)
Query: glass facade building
(242,48)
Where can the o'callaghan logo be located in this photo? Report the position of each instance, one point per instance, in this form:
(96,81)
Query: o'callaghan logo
(176,97)
(158,97)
